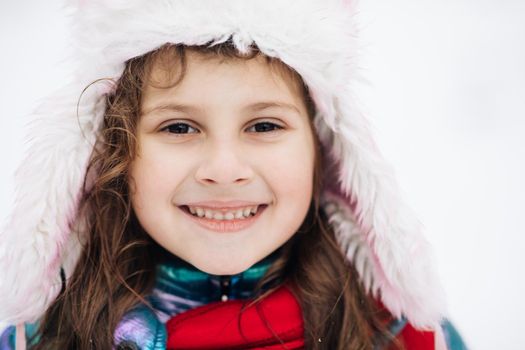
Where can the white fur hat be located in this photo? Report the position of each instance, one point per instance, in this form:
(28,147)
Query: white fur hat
(317,38)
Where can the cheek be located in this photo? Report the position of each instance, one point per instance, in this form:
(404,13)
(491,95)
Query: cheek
(155,175)
(289,171)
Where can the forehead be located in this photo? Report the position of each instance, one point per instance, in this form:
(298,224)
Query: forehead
(203,76)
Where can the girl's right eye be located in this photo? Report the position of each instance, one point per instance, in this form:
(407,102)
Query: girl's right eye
(179,128)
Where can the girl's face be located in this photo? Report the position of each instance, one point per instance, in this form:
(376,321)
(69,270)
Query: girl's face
(231,138)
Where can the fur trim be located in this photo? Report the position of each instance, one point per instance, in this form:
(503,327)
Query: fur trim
(374,228)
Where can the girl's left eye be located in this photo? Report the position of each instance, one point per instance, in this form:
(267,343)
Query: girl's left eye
(265,127)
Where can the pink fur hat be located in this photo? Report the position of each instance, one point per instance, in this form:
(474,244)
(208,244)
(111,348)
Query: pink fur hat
(317,38)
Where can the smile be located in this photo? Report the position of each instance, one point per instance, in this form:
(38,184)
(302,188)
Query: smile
(224,220)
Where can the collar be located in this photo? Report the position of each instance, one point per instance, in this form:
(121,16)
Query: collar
(179,286)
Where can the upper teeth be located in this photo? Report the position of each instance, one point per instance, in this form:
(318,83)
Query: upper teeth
(240,213)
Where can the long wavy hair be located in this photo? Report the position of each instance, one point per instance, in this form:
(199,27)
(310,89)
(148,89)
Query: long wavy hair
(116,268)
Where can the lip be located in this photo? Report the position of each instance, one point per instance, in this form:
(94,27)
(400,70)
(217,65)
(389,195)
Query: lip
(224,226)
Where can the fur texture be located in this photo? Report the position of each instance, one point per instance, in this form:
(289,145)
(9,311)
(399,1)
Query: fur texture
(317,38)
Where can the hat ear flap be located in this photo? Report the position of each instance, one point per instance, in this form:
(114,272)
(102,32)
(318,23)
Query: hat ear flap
(376,230)
(37,238)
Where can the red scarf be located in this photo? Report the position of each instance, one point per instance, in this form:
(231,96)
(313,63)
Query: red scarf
(274,323)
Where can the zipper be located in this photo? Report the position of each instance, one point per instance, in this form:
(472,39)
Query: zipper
(225,282)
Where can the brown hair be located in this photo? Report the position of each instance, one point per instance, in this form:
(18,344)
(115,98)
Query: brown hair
(116,268)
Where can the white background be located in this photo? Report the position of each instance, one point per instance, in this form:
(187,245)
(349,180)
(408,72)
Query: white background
(447,94)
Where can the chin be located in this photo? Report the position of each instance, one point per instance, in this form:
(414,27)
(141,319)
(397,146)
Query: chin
(223,267)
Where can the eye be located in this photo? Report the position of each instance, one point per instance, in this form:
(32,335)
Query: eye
(265,127)
(180,128)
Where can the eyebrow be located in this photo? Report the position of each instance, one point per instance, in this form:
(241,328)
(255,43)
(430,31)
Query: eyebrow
(257,106)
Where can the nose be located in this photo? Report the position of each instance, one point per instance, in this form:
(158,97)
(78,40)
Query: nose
(224,163)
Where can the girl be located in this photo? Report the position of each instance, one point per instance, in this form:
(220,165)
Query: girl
(213,187)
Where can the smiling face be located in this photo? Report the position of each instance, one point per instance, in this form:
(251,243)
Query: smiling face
(224,169)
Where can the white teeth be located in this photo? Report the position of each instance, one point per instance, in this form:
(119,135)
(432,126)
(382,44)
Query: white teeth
(200,212)
(242,213)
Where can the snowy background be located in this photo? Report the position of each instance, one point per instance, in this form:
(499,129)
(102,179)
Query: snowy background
(447,94)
